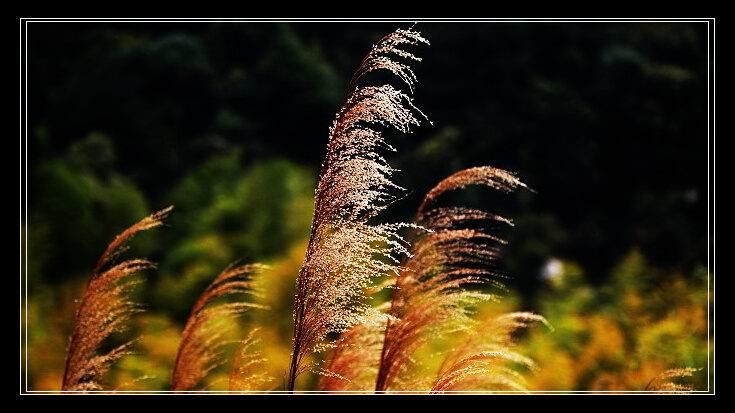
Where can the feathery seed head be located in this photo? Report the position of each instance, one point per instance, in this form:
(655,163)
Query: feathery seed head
(200,350)
(483,361)
(432,298)
(105,309)
(663,383)
(345,252)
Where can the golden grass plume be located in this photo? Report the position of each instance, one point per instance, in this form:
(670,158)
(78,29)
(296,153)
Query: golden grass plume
(345,252)
(664,382)
(200,349)
(433,297)
(487,360)
(104,309)
(247,373)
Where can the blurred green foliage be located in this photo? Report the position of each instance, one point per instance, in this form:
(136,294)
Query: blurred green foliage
(253,215)
(80,205)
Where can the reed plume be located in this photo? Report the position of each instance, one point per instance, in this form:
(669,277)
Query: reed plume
(664,383)
(486,359)
(345,252)
(104,309)
(247,373)
(353,363)
(433,293)
(201,346)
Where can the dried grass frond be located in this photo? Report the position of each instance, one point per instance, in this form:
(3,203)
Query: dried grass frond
(200,349)
(345,252)
(663,383)
(432,297)
(353,363)
(247,373)
(105,309)
(379,56)
(484,360)
(480,371)
(482,175)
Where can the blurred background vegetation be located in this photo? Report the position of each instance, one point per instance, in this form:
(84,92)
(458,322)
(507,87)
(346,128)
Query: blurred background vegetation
(228,121)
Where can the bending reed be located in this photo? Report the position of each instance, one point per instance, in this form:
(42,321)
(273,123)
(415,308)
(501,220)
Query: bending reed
(104,309)
(345,252)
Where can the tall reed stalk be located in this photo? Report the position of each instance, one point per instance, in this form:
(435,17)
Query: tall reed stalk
(345,251)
